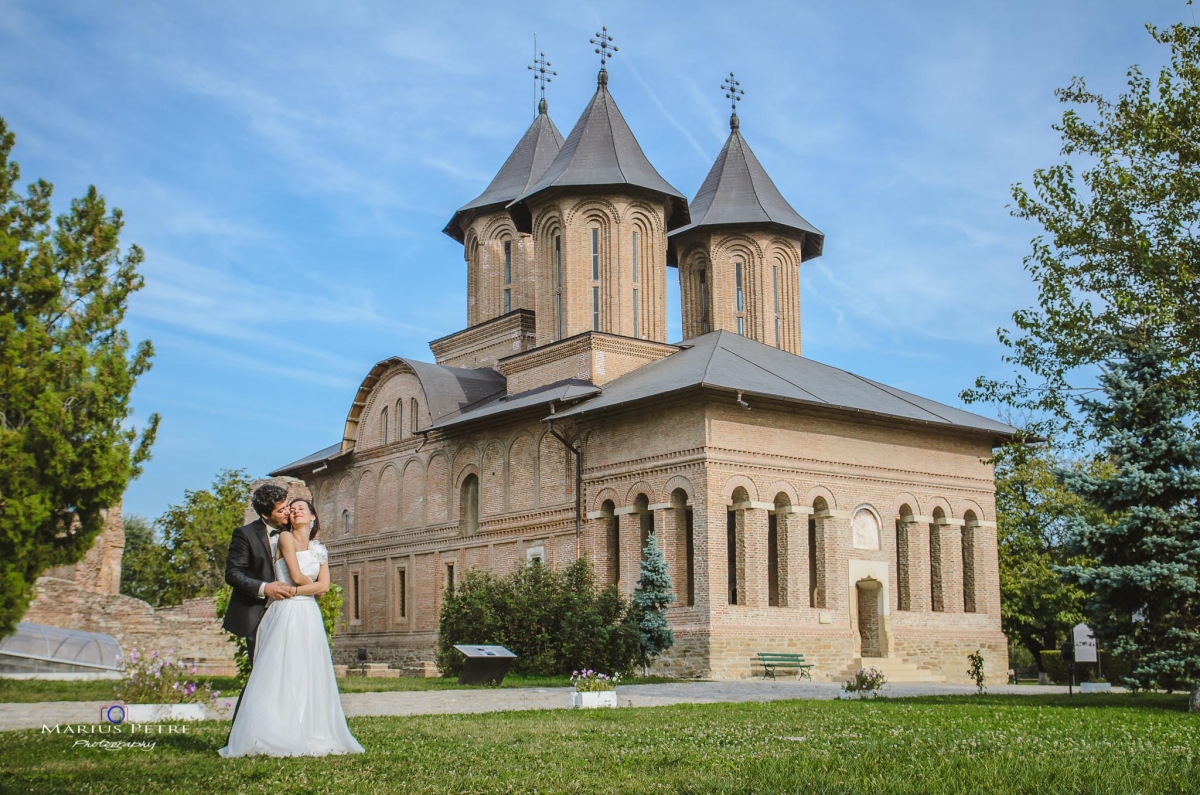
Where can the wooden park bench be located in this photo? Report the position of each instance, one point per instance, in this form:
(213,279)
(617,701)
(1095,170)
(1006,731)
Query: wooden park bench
(772,660)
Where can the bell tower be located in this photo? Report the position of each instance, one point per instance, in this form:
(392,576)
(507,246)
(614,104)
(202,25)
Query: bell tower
(739,259)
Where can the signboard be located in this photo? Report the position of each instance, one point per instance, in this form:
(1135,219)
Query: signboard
(1085,644)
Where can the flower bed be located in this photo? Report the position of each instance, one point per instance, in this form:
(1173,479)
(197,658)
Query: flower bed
(158,687)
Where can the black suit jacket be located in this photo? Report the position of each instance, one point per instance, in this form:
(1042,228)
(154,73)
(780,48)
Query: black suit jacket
(248,566)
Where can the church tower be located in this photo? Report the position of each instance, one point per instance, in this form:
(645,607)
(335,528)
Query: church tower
(500,276)
(599,218)
(739,258)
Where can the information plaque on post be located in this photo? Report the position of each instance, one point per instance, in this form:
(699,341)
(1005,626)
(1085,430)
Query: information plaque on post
(485,665)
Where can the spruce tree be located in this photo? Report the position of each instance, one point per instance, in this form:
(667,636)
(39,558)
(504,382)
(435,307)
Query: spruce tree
(651,597)
(1143,579)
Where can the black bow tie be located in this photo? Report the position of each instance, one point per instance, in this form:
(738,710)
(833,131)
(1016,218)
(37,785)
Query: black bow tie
(273,533)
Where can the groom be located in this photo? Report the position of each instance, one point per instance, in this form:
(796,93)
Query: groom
(250,567)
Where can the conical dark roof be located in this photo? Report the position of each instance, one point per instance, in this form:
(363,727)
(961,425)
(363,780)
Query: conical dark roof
(534,152)
(738,191)
(601,151)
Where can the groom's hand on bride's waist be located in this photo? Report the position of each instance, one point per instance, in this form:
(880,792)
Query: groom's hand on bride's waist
(279,590)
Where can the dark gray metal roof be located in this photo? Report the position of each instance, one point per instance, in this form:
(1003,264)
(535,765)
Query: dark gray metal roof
(563,391)
(601,151)
(738,190)
(725,360)
(451,390)
(316,458)
(535,151)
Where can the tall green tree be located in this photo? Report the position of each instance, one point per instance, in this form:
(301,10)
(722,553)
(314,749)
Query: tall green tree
(196,533)
(1143,576)
(651,597)
(66,372)
(1037,607)
(1119,248)
(143,562)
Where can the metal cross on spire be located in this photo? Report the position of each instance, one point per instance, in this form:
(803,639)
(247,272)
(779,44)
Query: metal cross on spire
(734,95)
(604,46)
(542,72)
(732,92)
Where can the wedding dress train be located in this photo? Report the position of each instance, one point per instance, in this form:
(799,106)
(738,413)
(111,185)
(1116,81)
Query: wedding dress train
(291,705)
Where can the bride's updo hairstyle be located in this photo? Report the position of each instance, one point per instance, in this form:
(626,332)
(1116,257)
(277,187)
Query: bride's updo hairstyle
(316,523)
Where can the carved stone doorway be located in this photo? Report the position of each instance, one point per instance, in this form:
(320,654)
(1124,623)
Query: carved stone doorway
(869,635)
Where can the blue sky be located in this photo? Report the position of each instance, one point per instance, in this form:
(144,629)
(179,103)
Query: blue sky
(288,169)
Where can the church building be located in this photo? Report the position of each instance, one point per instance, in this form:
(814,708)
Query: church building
(800,507)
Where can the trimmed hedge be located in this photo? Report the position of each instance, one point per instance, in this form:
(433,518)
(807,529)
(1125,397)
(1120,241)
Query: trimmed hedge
(555,622)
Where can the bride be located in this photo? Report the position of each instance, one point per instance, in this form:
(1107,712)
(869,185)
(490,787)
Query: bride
(291,705)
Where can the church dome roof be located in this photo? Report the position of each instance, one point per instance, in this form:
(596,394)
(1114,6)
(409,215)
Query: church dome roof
(739,191)
(601,151)
(534,152)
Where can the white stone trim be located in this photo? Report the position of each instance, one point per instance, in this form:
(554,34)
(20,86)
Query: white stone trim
(978,523)
(625,511)
(831,513)
(792,510)
(752,505)
(660,506)
(875,570)
(948,522)
(916,519)
(599,515)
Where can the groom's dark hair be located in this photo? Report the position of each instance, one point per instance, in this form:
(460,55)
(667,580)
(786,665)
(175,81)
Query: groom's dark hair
(266,497)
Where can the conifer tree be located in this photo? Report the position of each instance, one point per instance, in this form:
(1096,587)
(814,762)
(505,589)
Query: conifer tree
(651,597)
(1143,581)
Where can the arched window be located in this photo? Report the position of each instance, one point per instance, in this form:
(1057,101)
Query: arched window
(937,597)
(904,519)
(383,424)
(703,276)
(612,541)
(816,553)
(775,288)
(468,505)
(345,522)
(413,411)
(636,330)
(740,306)
(558,288)
(399,419)
(970,528)
(507,276)
(595,278)
(641,505)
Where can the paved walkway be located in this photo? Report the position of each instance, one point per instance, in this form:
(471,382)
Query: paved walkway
(436,702)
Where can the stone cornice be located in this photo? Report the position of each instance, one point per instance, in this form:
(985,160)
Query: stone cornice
(584,343)
(514,323)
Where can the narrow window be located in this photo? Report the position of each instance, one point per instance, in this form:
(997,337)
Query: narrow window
(636,332)
(595,309)
(401,594)
(741,302)
(354,590)
(558,307)
(690,544)
(468,505)
(775,286)
(345,522)
(731,555)
(813,585)
(595,254)
(383,419)
(703,301)
(737,275)
(413,412)
(507,276)
(399,419)
(772,560)
(635,257)
(450,579)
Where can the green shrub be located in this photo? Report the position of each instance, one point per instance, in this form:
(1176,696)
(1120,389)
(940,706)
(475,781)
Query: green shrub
(555,622)
(1112,669)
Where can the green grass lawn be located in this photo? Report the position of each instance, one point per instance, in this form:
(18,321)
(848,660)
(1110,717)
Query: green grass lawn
(947,744)
(28,690)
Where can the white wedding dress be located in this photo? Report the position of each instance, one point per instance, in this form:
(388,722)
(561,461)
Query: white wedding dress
(291,705)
